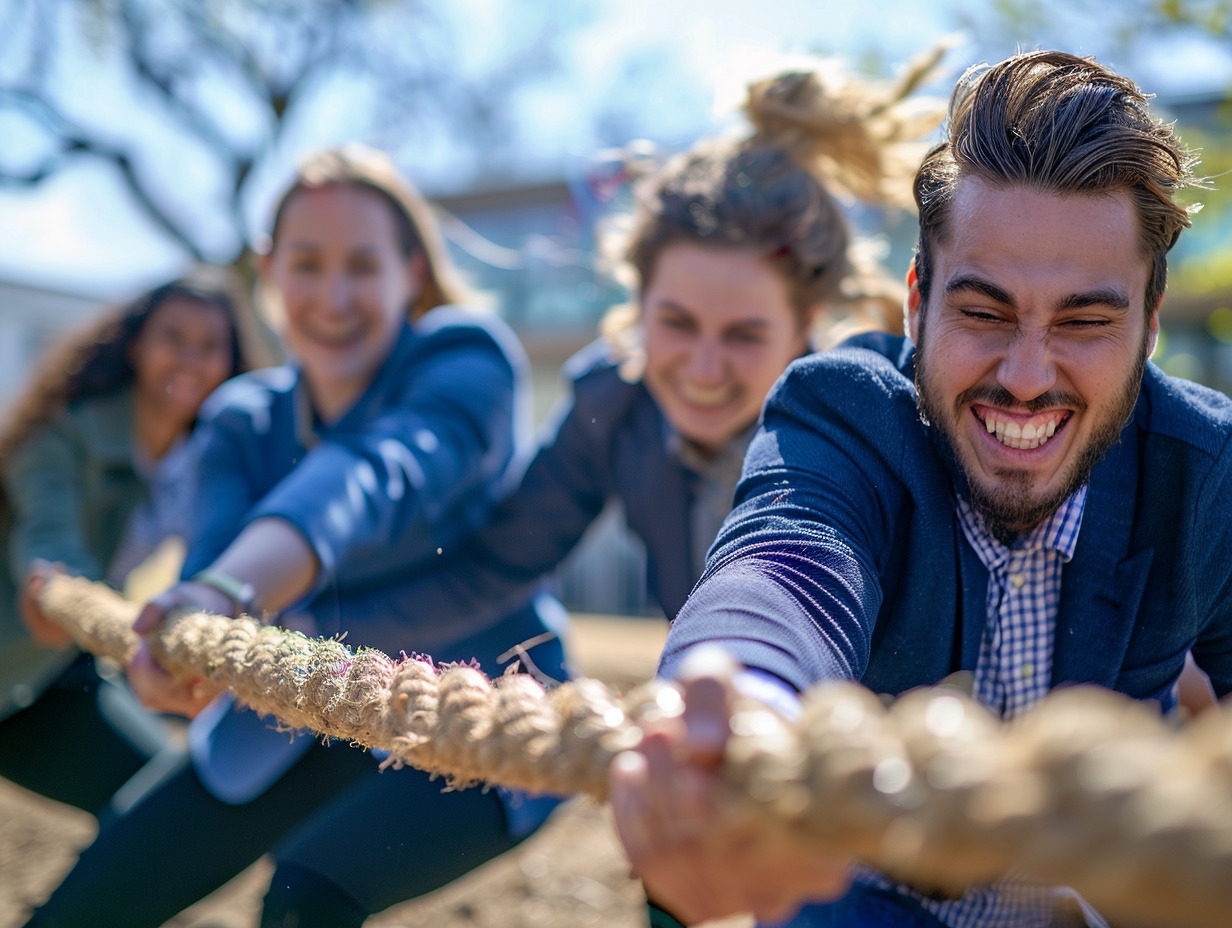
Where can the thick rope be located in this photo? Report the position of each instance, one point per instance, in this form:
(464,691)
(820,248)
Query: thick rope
(1088,789)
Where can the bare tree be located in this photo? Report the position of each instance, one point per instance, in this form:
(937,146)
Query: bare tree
(195,100)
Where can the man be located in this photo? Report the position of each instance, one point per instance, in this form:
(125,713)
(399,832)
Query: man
(1015,491)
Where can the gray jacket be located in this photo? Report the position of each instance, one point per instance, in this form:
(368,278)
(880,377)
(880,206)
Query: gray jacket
(68,493)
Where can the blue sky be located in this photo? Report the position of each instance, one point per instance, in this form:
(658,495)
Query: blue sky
(674,58)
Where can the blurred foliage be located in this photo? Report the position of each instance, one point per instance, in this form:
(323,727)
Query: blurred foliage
(1126,22)
(1202,266)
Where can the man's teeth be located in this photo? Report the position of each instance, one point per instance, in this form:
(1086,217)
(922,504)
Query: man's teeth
(1024,437)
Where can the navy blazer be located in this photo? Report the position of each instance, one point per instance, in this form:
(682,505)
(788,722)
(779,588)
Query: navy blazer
(844,557)
(608,442)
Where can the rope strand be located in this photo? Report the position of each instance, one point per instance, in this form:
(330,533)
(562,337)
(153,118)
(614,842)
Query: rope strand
(1088,789)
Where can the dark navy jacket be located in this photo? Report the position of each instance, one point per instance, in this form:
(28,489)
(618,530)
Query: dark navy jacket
(843,556)
(608,443)
(412,467)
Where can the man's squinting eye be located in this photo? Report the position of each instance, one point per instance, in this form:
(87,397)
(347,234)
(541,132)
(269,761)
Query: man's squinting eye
(980,315)
(1086,323)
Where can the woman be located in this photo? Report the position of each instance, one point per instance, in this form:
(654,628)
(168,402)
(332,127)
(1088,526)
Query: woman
(741,260)
(96,475)
(386,440)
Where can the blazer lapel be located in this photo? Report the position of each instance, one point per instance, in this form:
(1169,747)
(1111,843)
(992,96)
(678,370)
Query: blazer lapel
(656,496)
(1102,587)
(973,599)
(674,562)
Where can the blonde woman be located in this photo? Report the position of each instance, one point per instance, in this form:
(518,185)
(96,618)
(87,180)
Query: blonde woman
(384,441)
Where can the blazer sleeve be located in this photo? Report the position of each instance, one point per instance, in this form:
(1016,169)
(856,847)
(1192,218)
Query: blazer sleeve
(44,483)
(410,480)
(792,584)
(529,534)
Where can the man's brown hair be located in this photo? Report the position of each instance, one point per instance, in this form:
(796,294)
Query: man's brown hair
(1056,122)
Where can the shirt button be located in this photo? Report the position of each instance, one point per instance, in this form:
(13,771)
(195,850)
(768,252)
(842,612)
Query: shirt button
(1027,671)
(1018,580)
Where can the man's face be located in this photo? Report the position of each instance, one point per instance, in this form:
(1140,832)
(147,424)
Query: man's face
(1032,346)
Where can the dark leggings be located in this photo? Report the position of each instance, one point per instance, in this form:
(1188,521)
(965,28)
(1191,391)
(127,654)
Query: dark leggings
(179,843)
(387,840)
(69,745)
(350,840)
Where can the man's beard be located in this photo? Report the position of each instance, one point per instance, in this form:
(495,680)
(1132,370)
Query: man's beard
(1009,509)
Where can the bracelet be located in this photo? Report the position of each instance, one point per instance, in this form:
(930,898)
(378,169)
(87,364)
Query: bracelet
(240,593)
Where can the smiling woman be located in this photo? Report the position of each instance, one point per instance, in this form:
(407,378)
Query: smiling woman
(96,473)
(740,258)
(719,330)
(344,287)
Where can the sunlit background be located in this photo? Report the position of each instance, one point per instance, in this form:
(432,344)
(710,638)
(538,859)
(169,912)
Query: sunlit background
(140,136)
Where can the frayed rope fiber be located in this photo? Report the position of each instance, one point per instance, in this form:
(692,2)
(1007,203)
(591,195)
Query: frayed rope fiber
(1089,789)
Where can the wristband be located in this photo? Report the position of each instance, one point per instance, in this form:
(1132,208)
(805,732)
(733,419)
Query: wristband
(240,593)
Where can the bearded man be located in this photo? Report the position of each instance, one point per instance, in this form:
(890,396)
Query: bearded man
(1013,491)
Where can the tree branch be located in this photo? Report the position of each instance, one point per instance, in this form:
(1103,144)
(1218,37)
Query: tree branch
(135,29)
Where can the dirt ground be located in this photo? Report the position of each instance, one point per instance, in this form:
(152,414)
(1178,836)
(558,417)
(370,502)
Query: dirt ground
(571,873)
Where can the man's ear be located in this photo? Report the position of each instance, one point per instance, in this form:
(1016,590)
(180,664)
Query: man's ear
(911,305)
(1152,328)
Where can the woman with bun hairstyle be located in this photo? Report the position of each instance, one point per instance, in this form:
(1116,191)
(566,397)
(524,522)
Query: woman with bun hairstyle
(741,260)
(96,474)
(329,484)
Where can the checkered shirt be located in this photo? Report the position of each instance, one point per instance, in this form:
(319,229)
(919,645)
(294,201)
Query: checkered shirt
(1014,668)
(1012,673)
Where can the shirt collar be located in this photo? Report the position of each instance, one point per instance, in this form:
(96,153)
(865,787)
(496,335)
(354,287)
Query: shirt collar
(720,466)
(1058,533)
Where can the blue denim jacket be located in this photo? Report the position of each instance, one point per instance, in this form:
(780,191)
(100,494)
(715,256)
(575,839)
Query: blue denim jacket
(843,557)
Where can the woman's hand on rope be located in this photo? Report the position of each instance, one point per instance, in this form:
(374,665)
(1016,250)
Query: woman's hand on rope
(41,629)
(157,689)
(694,860)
